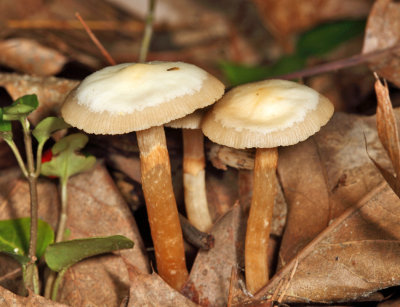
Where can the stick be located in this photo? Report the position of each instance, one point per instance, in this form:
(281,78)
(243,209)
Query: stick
(94,39)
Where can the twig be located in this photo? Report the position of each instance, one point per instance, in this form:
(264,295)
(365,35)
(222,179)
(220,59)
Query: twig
(95,40)
(194,236)
(339,64)
(11,274)
(148,31)
(100,25)
(288,281)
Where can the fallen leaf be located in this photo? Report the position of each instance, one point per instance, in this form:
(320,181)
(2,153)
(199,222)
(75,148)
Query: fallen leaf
(209,279)
(7,298)
(352,254)
(30,57)
(325,175)
(152,290)
(303,178)
(383,31)
(51,92)
(387,125)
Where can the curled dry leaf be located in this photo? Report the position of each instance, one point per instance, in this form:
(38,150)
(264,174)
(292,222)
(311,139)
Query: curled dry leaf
(383,31)
(30,57)
(352,255)
(51,92)
(286,17)
(7,298)
(210,276)
(387,125)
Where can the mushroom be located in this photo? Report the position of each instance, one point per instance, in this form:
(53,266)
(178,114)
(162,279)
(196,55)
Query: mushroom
(264,115)
(193,170)
(142,97)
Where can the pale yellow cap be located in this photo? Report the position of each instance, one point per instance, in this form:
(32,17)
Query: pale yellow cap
(130,97)
(191,121)
(267,114)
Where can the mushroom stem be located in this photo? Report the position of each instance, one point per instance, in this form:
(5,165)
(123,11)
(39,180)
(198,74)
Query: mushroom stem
(194,179)
(260,216)
(161,206)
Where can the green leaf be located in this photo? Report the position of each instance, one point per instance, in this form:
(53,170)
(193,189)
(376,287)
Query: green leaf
(21,107)
(62,255)
(47,126)
(15,236)
(5,125)
(324,38)
(239,74)
(316,42)
(66,162)
(72,142)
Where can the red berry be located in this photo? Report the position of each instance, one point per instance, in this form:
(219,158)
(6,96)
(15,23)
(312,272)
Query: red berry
(47,156)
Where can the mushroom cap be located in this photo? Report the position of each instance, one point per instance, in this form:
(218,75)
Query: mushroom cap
(191,121)
(136,96)
(266,114)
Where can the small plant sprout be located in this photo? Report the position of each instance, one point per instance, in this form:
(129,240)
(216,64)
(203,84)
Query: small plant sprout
(143,97)
(265,115)
(29,239)
(65,162)
(194,181)
(19,111)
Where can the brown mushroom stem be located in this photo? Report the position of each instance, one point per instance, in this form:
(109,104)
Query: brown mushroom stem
(194,179)
(259,222)
(161,206)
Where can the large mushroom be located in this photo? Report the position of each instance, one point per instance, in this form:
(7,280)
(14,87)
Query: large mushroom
(264,115)
(194,182)
(142,97)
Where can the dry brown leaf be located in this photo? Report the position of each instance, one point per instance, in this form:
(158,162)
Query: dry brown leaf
(352,255)
(151,290)
(7,298)
(51,92)
(286,17)
(95,208)
(325,175)
(210,276)
(28,56)
(383,31)
(387,126)
(303,179)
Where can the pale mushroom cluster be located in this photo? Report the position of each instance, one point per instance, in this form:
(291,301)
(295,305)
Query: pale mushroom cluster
(144,97)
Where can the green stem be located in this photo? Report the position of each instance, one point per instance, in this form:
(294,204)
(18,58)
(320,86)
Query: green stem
(17,156)
(148,32)
(32,180)
(57,283)
(49,284)
(63,215)
(39,158)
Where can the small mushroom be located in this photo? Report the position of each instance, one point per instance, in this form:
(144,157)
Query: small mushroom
(142,97)
(194,183)
(264,115)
